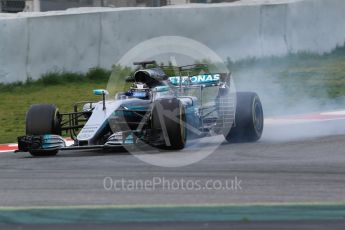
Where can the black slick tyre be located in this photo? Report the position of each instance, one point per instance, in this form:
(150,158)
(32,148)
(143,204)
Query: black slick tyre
(168,115)
(249,119)
(42,119)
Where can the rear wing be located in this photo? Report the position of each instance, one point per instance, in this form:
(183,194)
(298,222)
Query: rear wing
(195,75)
(202,79)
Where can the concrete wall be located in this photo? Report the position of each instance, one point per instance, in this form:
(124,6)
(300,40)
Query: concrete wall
(75,40)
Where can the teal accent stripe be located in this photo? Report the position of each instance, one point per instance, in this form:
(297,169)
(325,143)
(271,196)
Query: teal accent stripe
(72,215)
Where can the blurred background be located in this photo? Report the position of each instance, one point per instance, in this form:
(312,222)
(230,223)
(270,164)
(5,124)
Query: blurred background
(15,6)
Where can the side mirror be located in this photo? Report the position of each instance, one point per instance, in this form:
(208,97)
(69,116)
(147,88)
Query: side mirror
(162,88)
(102,92)
(99,92)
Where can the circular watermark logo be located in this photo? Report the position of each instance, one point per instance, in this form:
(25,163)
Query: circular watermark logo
(174,100)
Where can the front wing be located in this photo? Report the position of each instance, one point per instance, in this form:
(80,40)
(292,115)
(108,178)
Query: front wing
(54,142)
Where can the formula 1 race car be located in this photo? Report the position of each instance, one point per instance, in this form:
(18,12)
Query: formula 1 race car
(157,110)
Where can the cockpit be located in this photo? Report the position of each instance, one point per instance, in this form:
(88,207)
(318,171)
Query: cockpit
(139,90)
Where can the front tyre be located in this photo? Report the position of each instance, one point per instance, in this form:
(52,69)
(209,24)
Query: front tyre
(249,119)
(43,119)
(168,116)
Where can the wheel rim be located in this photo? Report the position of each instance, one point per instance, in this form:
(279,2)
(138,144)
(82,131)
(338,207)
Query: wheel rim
(182,125)
(56,123)
(258,116)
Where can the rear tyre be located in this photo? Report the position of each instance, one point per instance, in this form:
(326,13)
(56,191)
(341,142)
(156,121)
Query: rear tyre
(168,115)
(43,119)
(249,119)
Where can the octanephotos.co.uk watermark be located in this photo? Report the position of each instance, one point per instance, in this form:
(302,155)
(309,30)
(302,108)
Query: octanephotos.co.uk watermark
(171,184)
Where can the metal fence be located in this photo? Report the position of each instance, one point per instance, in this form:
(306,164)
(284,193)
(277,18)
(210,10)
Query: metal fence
(12,6)
(49,5)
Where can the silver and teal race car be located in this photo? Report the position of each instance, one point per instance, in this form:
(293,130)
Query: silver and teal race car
(157,110)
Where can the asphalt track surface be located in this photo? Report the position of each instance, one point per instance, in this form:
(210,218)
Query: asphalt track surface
(216,225)
(291,164)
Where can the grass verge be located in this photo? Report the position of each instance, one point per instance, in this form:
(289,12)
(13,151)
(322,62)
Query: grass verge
(61,89)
